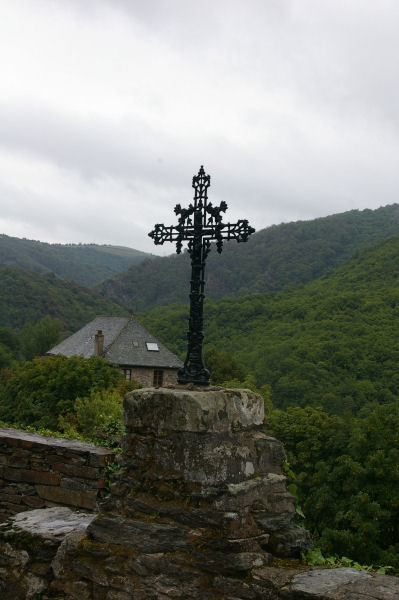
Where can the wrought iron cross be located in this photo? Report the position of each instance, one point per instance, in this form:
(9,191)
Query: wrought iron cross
(199,224)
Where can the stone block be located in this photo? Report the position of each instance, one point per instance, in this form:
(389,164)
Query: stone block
(15,498)
(165,410)
(76,471)
(13,509)
(341,584)
(75,483)
(30,476)
(52,458)
(13,442)
(259,491)
(38,465)
(33,501)
(51,523)
(272,522)
(290,542)
(233,563)
(61,495)
(185,515)
(19,462)
(25,444)
(270,453)
(145,537)
(78,458)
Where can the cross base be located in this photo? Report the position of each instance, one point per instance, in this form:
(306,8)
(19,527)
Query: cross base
(201,377)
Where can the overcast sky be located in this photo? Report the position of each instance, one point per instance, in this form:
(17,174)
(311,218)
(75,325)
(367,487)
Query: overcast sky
(109,107)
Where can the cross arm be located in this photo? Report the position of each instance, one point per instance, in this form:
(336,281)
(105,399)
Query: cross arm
(175,233)
(239,231)
(161,234)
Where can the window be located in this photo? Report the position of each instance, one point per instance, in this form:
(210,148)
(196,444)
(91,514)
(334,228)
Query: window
(127,374)
(158,377)
(152,346)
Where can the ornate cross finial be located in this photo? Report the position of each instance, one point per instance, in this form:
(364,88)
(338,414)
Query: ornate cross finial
(199,224)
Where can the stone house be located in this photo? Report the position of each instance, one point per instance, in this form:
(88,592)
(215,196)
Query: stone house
(122,341)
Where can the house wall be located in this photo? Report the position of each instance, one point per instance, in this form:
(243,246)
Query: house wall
(145,376)
(38,471)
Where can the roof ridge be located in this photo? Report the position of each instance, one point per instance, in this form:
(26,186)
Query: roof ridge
(106,348)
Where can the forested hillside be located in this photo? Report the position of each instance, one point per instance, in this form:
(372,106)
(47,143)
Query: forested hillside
(279,256)
(86,264)
(26,297)
(328,350)
(332,343)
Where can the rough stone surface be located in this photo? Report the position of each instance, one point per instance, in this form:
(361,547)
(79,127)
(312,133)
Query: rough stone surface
(29,542)
(198,510)
(184,410)
(199,495)
(341,584)
(38,471)
(53,523)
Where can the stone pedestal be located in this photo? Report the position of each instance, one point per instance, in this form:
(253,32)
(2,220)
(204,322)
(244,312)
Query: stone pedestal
(200,460)
(200,497)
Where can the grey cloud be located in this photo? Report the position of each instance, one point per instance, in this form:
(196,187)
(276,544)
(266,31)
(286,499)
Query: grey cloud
(274,185)
(311,94)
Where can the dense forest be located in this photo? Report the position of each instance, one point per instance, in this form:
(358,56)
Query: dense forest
(27,297)
(332,343)
(86,264)
(281,255)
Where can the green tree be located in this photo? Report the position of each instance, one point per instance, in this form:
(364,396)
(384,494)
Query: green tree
(347,478)
(223,366)
(41,390)
(37,339)
(9,347)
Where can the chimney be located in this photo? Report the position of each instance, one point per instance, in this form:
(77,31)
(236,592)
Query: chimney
(98,343)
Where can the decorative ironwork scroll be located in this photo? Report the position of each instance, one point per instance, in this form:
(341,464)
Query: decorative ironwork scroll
(199,224)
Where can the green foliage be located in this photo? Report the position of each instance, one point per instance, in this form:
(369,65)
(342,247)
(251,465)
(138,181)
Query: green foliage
(10,347)
(330,344)
(85,264)
(223,366)
(99,413)
(315,558)
(33,340)
(347,478)
(289,254)
(40,391)
(28,297)
(37,339)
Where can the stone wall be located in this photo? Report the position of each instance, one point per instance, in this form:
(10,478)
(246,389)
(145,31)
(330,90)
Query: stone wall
(38,471)
(199,510)
(145,376)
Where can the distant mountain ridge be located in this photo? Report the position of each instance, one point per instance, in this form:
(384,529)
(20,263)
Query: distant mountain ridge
(283,255)
(27,297)
(86,264)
